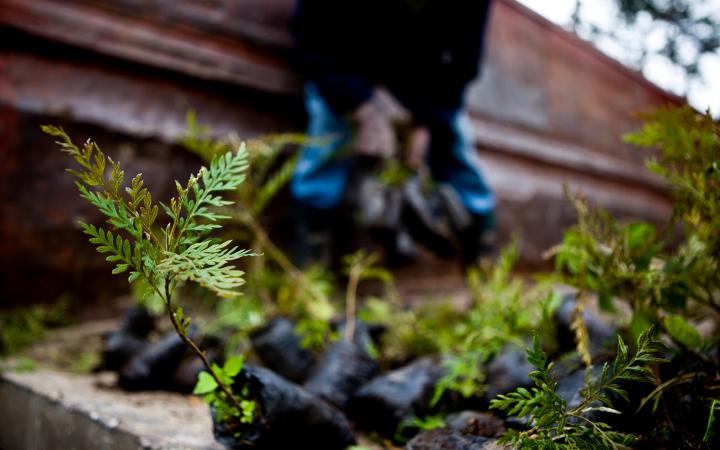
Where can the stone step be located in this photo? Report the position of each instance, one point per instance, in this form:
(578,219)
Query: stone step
(50,410)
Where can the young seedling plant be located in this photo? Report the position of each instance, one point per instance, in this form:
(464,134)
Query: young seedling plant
(668,280)
(165,254)
(553,424)
(359,266)
(304,294)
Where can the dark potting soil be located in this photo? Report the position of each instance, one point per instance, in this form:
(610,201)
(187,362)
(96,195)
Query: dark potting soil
(507,372)
(569,386)
(290,416)
(343,369)
(602,335)
(630,420)
(449,439)
(154,366)
(278,347)
(118,347)
(381,404)
(686,405)
(476,423)
(138,322)
(185,376)
(164,364)
(365,335)
(130,339)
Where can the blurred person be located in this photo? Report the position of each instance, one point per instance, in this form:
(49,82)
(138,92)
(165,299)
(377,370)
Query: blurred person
(425,52)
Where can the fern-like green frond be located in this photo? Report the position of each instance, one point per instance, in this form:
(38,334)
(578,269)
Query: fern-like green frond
(553,424)
(120,249)
(184,253)
(201,193)
(207,264)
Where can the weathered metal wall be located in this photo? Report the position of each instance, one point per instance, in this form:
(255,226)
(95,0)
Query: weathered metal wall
(549,109)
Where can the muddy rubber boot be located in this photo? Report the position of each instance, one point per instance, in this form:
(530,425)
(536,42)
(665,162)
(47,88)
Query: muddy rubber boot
(403,251)
(474,233)
(478,240)
(379,205)
(425,218)
(400,248)
(379,211)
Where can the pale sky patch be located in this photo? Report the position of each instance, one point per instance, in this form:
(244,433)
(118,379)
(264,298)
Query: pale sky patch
(702,93)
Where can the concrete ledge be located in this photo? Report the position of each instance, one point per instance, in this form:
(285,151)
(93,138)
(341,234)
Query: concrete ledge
(53,410)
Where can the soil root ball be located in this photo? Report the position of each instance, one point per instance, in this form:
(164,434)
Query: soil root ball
(507,372)
(364,335)
(343,369)
(278,347)
(186,375)
(381,404)
(154,366)
(631,419)
(449,439)
(570,386)
(476,423)
(138,322)
(121,345)
(118,348)
(602,335)
(291,417)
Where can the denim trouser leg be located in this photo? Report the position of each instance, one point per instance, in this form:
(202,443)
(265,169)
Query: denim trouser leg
(321,173)
(454,160)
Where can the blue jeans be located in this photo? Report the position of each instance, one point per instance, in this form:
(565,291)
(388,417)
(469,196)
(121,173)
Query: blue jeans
(322,171)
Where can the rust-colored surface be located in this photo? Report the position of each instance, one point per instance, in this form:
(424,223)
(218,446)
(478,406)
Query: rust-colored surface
(201,39)
(543,79)
(548,110)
